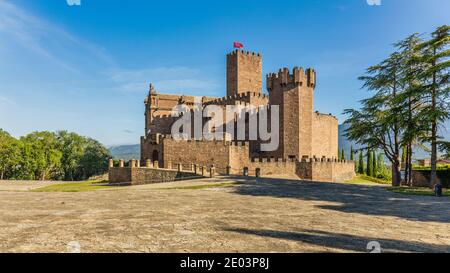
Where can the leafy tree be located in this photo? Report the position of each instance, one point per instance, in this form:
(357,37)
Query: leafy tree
(361,163)
(82,157)
(42,150)
(94,160)
(445,148)
(46,155)
(377,125)
(408,101)
(72,147)
(9,154)
(435,93)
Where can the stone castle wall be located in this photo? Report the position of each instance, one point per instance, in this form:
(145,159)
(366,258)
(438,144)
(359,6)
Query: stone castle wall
(145,175)
(316,169)
(234,157)
(205,153)
(325,136)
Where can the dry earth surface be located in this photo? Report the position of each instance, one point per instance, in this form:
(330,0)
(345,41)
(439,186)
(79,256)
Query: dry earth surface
(264,215)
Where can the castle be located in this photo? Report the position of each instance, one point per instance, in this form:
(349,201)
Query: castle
(308,140)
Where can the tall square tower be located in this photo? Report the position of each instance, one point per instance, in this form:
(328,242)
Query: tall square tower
(244,72)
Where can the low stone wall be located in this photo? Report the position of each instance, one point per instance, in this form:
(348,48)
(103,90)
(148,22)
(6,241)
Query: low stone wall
(421,178)
(327,170)
(140,176)
(270,166)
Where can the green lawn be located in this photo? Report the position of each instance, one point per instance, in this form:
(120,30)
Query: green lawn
(417,191)
(367,180)
(75,186)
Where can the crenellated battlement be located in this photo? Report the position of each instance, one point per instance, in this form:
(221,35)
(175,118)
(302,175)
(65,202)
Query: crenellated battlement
(298,77)
(244,53)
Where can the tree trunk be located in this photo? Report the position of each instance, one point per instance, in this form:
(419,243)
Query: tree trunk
(410,170)
(1,177)
(408,175)
(396,176)
(406,166)
(433,175)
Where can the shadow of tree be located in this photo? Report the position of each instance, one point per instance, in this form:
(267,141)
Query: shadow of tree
(343,241)
(368,200)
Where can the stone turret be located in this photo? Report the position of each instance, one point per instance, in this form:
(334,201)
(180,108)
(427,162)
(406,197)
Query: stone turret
(244,72)
(293,92)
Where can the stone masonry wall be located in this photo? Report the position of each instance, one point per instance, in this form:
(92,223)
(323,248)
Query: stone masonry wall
(244,72)
(140,176)
(204,153)
(324,136)
(325,170)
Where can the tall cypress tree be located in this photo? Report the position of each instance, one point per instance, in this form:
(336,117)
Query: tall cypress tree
(369,166)
(342,154)
(374,160)
(352,156)
(361,163)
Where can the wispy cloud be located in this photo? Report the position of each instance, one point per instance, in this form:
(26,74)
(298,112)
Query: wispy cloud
(165,79)
(6,101)
(39,36)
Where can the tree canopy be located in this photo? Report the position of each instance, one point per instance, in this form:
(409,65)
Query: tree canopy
(410,101)
(47,155)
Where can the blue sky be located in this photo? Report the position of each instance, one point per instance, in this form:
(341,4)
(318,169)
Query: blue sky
(87,68)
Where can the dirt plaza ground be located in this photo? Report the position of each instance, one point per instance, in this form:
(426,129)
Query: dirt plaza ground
(264,215)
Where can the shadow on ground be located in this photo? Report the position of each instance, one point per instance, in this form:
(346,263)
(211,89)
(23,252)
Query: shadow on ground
(349,198)
(343,241)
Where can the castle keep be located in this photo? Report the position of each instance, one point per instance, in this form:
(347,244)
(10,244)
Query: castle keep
(308,140)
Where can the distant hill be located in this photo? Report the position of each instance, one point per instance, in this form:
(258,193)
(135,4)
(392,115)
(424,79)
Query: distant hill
(126,152)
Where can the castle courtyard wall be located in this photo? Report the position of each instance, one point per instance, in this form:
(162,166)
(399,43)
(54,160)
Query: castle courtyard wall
(325,136)
(205,153)
(326,170)
(141,176)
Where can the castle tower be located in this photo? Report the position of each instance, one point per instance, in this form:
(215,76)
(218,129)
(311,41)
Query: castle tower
(150,107)
(244,72)
(294,93)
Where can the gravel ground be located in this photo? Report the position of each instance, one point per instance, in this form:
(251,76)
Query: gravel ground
(264,215)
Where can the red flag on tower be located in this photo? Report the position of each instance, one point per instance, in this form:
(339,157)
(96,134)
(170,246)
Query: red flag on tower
(238,45)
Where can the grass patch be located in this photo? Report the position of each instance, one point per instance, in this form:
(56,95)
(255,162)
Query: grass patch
(75,187)
(207,186)
(417,191)
(364,180)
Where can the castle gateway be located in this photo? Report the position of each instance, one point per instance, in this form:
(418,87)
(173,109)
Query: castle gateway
(308,140)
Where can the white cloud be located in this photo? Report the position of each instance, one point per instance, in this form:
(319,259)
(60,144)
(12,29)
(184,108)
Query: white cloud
(6,101)
(38,36)
(165,79)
